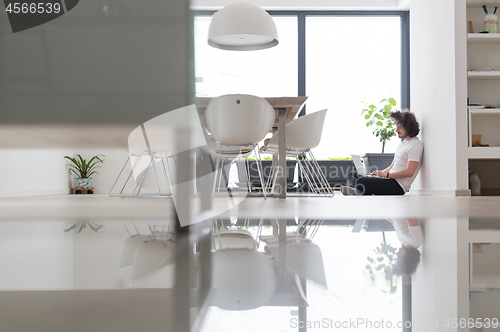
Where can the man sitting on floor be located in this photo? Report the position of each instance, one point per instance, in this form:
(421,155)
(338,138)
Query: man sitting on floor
(398,177)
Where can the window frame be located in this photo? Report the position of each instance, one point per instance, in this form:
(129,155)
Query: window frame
(301,22)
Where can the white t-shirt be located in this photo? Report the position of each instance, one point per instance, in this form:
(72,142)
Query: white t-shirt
(412,236)
(410,150)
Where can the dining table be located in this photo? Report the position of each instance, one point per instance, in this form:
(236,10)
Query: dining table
(286,109)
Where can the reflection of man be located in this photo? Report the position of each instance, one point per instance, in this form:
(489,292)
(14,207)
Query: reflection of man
(398,177)
(411,236)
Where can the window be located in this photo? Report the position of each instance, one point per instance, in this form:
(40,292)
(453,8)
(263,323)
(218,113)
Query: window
(349,56)
(265,73)
(349,59)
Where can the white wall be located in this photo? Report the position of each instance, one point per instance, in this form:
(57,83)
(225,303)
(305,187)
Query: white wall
(440,286)
(438,91)
(34,172)
(31,172)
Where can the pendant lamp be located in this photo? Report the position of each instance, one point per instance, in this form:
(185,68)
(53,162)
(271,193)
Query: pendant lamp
(242,27)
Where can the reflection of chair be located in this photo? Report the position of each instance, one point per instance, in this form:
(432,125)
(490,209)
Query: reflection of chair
(243,279)
(237,123)
(147,260)
(303,257)
(302,135)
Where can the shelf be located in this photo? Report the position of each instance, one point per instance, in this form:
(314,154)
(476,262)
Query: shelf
(488,75)
(479,3)
(485,111)
(483,153)
(486,282)
(483,38)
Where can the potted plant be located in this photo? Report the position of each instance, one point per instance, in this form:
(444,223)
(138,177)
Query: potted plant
(79,225)
(379,269)
(378,116)
(83,170)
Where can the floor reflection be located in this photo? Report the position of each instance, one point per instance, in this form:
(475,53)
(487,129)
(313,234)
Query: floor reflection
(266,275)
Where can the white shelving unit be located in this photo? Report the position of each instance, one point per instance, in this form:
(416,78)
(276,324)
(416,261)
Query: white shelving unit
(485,122)
(483,153)
(483,75)
(483,84)
(483,38)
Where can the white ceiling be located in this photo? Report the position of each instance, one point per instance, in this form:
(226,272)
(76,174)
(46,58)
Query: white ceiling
(309,4)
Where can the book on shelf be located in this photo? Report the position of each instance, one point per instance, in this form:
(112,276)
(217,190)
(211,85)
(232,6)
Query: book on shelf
(475,106)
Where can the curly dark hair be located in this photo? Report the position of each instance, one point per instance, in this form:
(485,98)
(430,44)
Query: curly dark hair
(407,264)
(408,120)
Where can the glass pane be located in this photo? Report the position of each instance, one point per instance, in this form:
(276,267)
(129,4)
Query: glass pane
(349,59)
(265,73)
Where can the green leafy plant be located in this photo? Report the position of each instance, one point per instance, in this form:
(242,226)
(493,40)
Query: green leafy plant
(79,225)
(379,116)
(380,268)
(82,168)
(341,159)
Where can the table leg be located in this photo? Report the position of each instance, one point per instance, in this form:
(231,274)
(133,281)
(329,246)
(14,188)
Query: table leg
(282,153)
(282,256)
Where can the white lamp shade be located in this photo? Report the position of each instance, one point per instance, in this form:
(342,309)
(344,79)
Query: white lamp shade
(242,27)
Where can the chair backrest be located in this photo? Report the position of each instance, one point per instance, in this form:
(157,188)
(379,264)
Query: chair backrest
(239,119)
(303,132)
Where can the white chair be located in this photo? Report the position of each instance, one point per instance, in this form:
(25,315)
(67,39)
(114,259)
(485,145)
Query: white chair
(237,123)
(302,135)
(152,149)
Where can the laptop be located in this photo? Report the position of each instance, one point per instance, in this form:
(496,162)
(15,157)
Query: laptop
(358,163)
(360,167)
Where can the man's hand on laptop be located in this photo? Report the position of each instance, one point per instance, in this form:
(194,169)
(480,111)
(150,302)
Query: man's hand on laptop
(379,173)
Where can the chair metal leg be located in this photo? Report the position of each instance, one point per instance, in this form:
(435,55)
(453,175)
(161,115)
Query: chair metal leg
(306,174)
(140,183)
(119,175)
(130,174)
(322,177)
(271,178)
(247,173)
(313,175)
(260,169)
(156,176)
(216,170)
(167,179)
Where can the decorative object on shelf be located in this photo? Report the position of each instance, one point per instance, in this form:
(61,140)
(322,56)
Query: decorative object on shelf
(380,118)
(476,140)
(490,21)
(474,183)
(242,27)
(471,30)
(83,170)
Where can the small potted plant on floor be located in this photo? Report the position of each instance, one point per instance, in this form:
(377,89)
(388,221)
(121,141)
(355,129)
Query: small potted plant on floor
(378,116)
(83,170)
